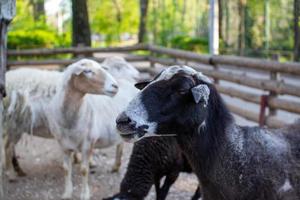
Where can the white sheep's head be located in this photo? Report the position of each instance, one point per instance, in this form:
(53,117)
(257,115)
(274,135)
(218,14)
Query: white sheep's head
(88,76)
(120,68)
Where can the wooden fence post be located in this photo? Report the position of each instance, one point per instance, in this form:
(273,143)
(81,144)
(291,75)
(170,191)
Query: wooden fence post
(216,68)
(274,76)
(262,111)
(152,55)
(7,12)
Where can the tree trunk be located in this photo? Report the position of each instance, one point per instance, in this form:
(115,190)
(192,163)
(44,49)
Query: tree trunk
(220,2)
(213,28)
(81,35)
(183,12)
(3,63)
(227,22)
(241,36)
(296,30)
(143,20)
(38,9)
(155,21)
(7,12)
(267,24)
(118,17)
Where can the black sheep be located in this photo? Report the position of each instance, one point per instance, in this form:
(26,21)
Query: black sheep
(230,161)
(150,161)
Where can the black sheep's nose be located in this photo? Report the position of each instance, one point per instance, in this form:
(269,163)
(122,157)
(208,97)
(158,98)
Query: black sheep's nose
(123,118)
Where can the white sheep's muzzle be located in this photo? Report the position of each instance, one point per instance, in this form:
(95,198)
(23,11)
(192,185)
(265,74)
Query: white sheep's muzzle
(110,86)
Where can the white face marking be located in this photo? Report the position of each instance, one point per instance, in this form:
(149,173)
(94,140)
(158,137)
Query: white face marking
(171,71)
(286,186)
(137,112)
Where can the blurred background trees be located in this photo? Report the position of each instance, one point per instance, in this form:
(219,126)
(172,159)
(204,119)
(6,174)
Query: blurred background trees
(258,28)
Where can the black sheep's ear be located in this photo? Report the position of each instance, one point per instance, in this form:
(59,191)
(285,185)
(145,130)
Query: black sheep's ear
(201,92)
(141,85)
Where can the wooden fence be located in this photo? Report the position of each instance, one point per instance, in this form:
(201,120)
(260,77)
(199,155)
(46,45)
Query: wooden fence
(220,68)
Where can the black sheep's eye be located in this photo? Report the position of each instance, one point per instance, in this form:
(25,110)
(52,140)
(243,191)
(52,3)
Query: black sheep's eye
(182,92)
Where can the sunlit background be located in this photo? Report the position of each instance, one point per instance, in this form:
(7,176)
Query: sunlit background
(258,28)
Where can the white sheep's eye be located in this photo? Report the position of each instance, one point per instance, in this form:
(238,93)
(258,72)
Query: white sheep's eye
(105,68)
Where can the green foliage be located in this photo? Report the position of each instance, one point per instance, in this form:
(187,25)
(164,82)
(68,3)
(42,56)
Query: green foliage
(111,18)
(27,33)
(170,18)
(175,23)
(35,39)
(199,45)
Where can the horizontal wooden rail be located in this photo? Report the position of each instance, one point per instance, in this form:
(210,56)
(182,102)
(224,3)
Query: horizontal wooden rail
(68,61)
(259,64)
(180,54)
(287,105)
(249,115)
(276,103)
(271,122)
(75,50)
(275,86)
(232,92)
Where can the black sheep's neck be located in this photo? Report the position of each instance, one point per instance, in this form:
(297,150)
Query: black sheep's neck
(201,144)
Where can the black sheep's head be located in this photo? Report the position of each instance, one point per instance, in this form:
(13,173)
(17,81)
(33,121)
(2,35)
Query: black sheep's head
(177,97)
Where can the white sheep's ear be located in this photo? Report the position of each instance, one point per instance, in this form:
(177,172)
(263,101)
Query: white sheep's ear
(78,70)
(201,92)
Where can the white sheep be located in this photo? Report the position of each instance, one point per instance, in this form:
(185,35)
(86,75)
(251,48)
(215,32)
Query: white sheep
(126,76)
(35,81)
(74,115)
(121,69)
(28,92)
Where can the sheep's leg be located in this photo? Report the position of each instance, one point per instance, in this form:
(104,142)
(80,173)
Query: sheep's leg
(77,158)
(67,165)
(11,173)
(118,159)
(86,155)
(157,185)
(197,194)
(16,164)
(163,191)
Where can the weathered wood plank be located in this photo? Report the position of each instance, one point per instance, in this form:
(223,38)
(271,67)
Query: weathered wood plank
(75,50)
(269,85)
(67,61)
(259,64)
(181,54)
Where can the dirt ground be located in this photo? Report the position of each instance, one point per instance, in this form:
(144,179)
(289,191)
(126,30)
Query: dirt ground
(41,159)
